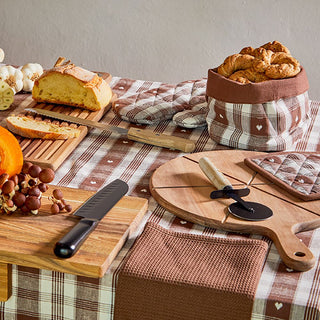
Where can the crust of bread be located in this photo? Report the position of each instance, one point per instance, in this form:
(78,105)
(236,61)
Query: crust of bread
(38,129)
(74,86)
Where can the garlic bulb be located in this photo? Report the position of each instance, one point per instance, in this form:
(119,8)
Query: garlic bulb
(1,55)
(13,77)
(31,72)
(6,96)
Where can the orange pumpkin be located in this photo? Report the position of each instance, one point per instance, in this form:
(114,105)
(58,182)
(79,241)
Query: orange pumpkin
(11,157)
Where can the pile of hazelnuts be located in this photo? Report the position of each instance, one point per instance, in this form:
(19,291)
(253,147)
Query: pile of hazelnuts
(23,192)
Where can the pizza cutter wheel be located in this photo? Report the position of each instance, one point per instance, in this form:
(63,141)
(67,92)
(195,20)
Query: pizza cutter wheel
(245,210)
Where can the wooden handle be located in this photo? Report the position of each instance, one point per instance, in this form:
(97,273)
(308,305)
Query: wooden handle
(294,253)
(160,140)
(213,174)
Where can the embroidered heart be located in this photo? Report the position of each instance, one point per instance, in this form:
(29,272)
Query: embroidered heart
(278,305)
(183,130)
(259,127)
(143,190)
(301,180)
(297,118)
(110,161)
(220,115)
(289,270)
(93,182)
(121,88)
(183,222)
(124,141)
(271,160)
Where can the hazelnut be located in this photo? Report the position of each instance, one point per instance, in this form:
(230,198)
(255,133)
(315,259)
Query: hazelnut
(68,208)
(42,187)
(34,191)
(32,203)
(26,166)
(57,193)
(55,208)
(3,178)
(8,187)
(15,179)
(34,171)
(19,199)
(46,175)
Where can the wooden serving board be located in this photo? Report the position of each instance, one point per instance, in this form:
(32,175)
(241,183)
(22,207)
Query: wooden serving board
(29,240)
(182,188)
(52,153)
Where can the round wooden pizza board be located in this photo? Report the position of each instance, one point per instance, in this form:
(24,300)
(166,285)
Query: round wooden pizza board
(182,188)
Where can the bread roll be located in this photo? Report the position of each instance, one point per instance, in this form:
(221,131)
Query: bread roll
(68,84)
(38,129)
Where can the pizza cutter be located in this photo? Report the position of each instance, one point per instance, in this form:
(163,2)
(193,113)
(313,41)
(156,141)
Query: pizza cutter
(246,210)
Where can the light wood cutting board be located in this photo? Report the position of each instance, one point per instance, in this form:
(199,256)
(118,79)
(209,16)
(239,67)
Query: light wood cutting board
(52,153)
(29,240)
(181,187)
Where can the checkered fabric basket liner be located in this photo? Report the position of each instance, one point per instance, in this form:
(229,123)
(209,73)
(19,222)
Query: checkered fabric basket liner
(270,126)
(156,101)
(296,172)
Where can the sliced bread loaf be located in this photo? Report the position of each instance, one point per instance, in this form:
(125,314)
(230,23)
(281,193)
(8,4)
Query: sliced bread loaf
(29,127)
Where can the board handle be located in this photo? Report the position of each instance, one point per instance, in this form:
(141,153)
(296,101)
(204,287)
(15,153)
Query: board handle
(161,140)
(214,175)
(294,253)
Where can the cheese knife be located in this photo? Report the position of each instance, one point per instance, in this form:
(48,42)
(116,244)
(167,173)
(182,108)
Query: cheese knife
(91,213)
(135,134)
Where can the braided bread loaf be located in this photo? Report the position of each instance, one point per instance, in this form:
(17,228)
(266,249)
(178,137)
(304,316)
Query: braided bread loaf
(234,63)
(270,61)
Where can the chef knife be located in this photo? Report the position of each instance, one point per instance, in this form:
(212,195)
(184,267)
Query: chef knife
(91,212)
(135,134)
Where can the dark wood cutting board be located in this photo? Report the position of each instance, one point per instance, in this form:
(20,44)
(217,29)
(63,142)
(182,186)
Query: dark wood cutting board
(182,188)
(52,153)
(29,240)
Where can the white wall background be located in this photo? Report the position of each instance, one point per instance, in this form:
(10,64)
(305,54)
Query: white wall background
(159,40)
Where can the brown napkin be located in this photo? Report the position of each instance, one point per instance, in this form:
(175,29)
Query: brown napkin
(174,275)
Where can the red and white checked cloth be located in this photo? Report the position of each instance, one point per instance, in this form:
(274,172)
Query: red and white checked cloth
(102,157)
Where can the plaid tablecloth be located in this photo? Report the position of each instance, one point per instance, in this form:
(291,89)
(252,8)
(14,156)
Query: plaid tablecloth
(102,157)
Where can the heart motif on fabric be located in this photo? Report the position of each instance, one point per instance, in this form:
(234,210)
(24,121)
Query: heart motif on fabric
(301,180)
(221,116)
(278,305)
(259,127)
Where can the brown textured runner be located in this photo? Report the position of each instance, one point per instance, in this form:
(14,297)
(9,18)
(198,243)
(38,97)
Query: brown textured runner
(174,275)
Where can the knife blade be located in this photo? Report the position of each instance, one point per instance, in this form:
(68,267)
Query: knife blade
(135,134)
(91,213)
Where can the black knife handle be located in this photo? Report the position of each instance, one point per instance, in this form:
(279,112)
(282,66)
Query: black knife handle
(71,242)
